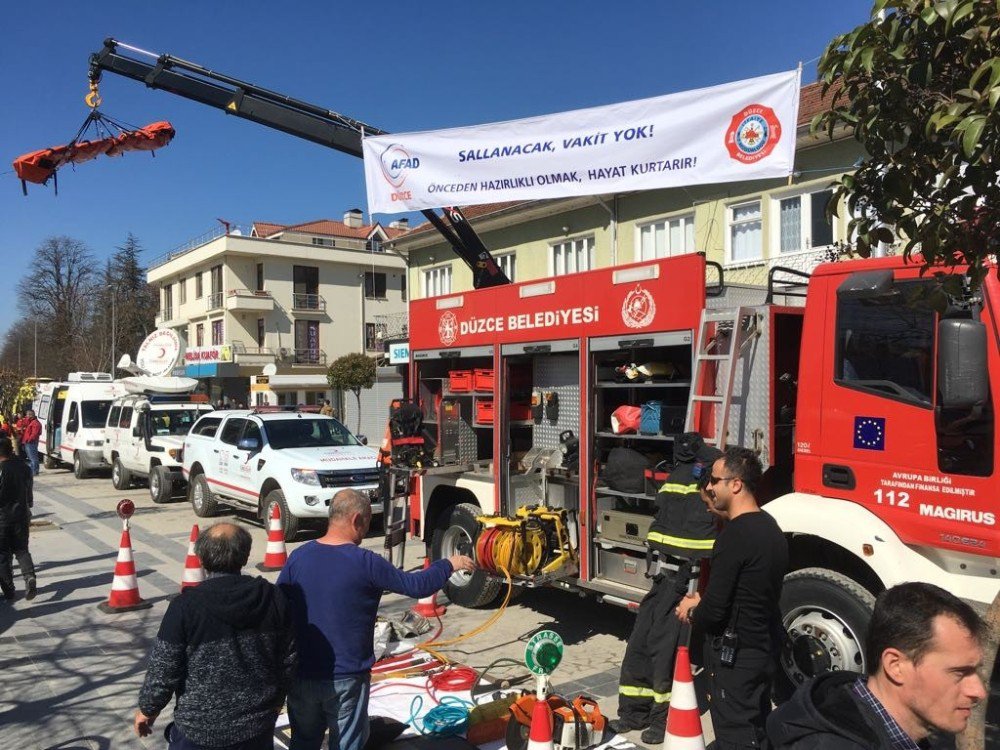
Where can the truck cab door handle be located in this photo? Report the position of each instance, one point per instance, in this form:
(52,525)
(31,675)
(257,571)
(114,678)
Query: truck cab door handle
(840,477)
(215,450)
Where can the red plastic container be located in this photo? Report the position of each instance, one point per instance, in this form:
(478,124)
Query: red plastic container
(482,380)
(460,381)
(520,412)
(484,411)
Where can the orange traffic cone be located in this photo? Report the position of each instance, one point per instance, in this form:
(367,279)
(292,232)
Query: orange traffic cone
(683,717)
(275,557)
(540,733)
(193,572)
(125,586)
(428,606)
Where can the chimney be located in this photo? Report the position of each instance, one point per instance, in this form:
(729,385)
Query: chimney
(400,224)
(354,218)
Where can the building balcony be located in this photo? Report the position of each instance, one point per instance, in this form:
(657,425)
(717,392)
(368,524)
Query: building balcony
(245,300)
(308,303)
(253,356)
(215,301)
(313,357)
(167,318)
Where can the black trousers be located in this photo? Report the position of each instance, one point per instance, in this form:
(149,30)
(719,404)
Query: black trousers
(740,696)
(648,667)
(14,541)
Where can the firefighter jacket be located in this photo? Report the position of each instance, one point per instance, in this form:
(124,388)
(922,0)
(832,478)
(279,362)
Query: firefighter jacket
(683,526)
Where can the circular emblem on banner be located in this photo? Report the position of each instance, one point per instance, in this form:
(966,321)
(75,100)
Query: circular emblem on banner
(397,163)
(753,133)
(639,308)
(159,352)
(448,328)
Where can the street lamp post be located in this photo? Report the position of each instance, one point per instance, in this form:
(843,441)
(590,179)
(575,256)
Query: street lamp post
(114,327)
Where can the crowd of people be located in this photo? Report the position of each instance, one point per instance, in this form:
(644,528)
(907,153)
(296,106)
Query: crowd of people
(234,649)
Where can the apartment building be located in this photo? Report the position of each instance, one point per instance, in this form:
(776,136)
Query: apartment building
(748,228)
(292,296)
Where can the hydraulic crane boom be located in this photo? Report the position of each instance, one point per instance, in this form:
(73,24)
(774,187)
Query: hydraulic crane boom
(289,115)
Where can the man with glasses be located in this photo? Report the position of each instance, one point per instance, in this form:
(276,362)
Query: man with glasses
(738,613)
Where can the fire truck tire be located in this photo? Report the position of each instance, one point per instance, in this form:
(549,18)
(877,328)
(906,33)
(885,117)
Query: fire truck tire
(161,485)
(121,478)
(456,529)
(826,615)
(203,501)
(289,523)
(49,463)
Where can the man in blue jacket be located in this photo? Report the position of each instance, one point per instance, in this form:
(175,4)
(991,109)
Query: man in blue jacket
(334,587)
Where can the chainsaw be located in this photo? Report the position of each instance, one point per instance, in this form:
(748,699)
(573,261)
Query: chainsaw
(575,726)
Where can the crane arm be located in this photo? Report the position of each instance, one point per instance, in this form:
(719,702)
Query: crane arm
(289,115)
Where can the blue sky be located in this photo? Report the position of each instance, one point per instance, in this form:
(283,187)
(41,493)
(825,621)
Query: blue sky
(399,66)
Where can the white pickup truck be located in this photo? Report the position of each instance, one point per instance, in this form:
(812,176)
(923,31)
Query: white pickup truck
(143,440)
(294,461)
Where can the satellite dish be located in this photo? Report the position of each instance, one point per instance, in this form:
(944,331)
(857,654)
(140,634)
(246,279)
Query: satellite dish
(269,370)
(159,384)
(159,353)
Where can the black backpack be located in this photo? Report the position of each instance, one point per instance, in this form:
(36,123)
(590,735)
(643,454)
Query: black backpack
(625,470)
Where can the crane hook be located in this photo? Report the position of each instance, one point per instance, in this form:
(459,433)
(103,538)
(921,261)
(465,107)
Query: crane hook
(93,99)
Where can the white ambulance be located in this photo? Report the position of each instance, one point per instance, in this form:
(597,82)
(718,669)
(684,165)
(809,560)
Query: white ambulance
(73,415)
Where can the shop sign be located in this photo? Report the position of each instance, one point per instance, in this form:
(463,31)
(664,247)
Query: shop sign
(208,354)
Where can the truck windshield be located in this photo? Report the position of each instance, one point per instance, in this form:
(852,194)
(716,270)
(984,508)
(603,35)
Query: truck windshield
(173,421)
(95,413)
(307,433)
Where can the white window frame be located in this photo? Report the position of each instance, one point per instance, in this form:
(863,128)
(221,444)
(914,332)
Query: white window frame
(804,194)
(686,219)
(439,275)
(508,264)
(730,210)
(559,267)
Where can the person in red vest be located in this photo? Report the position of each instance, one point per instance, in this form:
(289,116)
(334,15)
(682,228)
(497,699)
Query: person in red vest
(31,431)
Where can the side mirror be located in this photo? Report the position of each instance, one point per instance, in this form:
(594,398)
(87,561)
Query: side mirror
(72,426)
(363,439)
(962,376)
(251,444)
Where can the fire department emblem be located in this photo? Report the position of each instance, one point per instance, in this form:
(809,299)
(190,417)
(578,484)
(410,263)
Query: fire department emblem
(639,308)
(448,328)
(753,133)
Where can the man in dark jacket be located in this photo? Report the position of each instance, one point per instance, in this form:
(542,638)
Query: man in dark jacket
(923,655)
(16,501)
(683,531)
(225,650)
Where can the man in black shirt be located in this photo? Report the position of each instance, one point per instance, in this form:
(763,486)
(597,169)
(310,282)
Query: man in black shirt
(738,613)
(16,500)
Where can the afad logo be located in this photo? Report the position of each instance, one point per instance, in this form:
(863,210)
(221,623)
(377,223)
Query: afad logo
(638,308)
(396,164)
(448,328)
(753,133)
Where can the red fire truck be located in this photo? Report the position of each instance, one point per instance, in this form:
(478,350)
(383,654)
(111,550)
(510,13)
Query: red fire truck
(858,379)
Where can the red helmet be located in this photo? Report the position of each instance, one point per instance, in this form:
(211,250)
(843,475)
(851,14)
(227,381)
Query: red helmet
(625,419)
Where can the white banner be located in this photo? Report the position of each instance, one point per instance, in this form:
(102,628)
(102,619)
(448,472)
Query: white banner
(729,133)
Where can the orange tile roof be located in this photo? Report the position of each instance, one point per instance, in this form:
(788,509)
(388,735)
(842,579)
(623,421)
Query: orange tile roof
(327,227)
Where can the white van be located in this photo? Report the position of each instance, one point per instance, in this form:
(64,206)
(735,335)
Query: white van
(144,437)
(73,415)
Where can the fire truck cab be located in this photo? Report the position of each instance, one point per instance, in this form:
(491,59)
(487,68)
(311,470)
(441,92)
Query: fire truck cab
(866,392)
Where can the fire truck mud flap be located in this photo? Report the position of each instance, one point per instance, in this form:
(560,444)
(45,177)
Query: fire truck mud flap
(455,535)
(825,615)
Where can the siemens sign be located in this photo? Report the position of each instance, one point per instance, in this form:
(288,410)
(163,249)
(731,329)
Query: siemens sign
(398,351)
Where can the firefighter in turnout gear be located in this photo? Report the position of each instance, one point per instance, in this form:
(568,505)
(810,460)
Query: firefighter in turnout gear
(683,533)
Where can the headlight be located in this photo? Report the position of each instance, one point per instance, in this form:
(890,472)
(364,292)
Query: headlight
(306,476)
(175,453)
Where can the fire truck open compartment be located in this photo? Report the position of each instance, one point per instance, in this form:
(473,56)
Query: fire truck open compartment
(623,517)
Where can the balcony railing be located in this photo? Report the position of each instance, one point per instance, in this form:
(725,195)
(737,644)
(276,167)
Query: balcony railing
(308,302)
(214,301)
(246,299)
(165,314)
(308,357)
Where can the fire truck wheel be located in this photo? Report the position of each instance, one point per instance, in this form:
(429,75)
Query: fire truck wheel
(289,523)
(456,529)
(121,478)
(826,615)
(161,485)
(203,501)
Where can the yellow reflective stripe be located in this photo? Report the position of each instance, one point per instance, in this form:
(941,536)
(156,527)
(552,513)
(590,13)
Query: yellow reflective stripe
(676,541)
(631,691)
(682,489)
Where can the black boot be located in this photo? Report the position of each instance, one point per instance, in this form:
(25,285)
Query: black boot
(30,588)
(620,726)
(8,591)
(653,735)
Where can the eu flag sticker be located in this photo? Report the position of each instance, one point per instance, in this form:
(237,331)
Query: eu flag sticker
(869,433)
